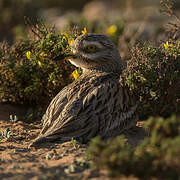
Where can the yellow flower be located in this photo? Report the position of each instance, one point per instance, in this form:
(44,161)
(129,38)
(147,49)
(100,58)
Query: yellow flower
(171,45)
(42,55)
(40,63)
(75,74)
(167,45)
(65,35)
(28,54)
(111,30)
(70,41)
(84,31)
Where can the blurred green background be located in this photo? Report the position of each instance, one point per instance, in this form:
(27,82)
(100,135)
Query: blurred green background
(60,12)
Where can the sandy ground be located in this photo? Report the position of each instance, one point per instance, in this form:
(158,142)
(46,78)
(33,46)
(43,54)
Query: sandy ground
(51,161)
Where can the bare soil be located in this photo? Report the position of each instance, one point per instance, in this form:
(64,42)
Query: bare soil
(51,161)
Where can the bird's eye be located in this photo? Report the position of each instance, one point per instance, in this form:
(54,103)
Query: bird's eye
(91,48)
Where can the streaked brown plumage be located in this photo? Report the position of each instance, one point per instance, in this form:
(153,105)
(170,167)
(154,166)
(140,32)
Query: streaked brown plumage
(97,103)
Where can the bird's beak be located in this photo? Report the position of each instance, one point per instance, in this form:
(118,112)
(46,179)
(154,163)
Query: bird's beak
(63,57)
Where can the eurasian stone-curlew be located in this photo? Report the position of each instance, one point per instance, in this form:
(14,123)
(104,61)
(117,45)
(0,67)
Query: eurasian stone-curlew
(97,103)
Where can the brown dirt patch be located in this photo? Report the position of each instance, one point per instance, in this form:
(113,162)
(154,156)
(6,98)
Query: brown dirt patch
(51,161)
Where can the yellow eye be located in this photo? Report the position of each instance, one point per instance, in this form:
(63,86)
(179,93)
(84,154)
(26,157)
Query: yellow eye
(91,48)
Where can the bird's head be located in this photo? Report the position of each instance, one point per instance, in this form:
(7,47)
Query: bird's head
(94,52)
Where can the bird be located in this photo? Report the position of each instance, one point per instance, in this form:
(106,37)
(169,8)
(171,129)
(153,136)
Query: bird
(95,104)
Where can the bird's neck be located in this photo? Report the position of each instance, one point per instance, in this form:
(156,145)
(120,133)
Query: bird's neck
(99,72)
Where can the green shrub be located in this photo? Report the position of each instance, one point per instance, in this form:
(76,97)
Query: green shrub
(153,74)
(156,157)
(27,73)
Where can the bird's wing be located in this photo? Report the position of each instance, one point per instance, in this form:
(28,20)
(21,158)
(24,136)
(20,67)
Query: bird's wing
(104,108)
(54,109)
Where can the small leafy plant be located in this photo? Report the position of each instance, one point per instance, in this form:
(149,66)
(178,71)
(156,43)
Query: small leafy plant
(157,154)
(13,118)
(77,166)
(5,134)
(74,143)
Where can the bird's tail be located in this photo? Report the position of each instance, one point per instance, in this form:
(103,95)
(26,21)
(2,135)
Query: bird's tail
(38,141)
(41,139)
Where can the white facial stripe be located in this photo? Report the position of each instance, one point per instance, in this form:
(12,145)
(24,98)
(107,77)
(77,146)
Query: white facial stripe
(79,63)
(75,64)
(93,55)
(86,43)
